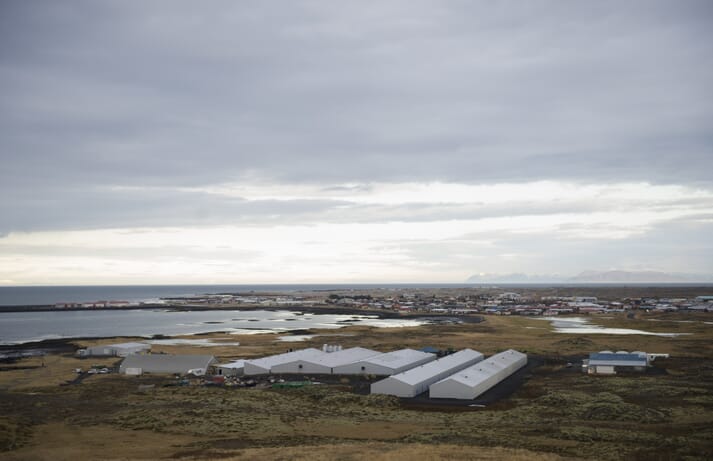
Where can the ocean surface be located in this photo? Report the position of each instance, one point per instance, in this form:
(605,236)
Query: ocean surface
(22,327)
(50,295)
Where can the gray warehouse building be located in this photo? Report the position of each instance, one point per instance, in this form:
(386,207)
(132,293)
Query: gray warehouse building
(386,364)
(473,381)
(114,350)
(415,381)
(166,363)
(326,363)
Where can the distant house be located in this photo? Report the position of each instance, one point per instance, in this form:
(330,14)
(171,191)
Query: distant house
(509,296)
(586,299)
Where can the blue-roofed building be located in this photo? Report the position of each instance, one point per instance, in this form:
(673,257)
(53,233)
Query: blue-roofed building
(430,350)
(607,363)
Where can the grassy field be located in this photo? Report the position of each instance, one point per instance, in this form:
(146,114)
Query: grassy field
(557,413)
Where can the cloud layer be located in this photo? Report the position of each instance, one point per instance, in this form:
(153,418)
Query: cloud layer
(353,141)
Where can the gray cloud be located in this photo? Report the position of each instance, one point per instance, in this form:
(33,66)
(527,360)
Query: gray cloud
(684,246)
(173,92)
(97,94)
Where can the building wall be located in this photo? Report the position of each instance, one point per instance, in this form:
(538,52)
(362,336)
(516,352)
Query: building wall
(229,371)
(392,386)
(162,364)
(368,369)
(253,369)
(602,369)
(451,390)
(301,367)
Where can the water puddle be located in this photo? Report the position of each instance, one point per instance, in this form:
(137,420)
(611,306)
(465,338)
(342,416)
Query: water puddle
(581,325)
(191,342)
(295,338)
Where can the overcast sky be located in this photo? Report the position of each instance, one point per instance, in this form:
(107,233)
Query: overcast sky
(322,141)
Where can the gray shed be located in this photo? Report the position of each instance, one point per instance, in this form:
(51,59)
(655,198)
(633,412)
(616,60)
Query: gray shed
(115,350)
(166,363)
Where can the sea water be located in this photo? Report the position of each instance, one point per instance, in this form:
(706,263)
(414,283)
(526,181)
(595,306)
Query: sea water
(21,327)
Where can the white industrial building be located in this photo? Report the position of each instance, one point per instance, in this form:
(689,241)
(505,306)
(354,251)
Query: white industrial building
(415,381)
(114,350)
(607,362)
(471,382)
(324,363)
(166,363)
(235,368)
(386,364)
(264,365)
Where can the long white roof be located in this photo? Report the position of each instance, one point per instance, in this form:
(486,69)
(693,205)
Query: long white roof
(343,357)
(419,374)
(399,358)
(477,373)
(272,360)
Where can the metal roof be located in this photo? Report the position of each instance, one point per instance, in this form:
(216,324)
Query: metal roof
(474,375)
(423,372)
(235,364)
(343,357)
(272,360)
(397,358)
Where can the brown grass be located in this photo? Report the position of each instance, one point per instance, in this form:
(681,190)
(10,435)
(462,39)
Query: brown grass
(391,452)
(557,412)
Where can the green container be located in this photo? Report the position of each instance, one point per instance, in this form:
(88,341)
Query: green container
(291,384)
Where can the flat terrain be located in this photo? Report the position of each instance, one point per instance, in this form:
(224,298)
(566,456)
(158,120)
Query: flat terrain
(556,413)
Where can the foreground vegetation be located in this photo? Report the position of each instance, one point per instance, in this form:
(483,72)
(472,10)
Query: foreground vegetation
(557,412)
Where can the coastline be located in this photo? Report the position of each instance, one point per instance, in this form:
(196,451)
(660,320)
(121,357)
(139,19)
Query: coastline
(66,344)
(214,307)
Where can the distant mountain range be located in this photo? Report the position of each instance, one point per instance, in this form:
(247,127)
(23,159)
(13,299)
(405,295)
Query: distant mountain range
(589,276)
